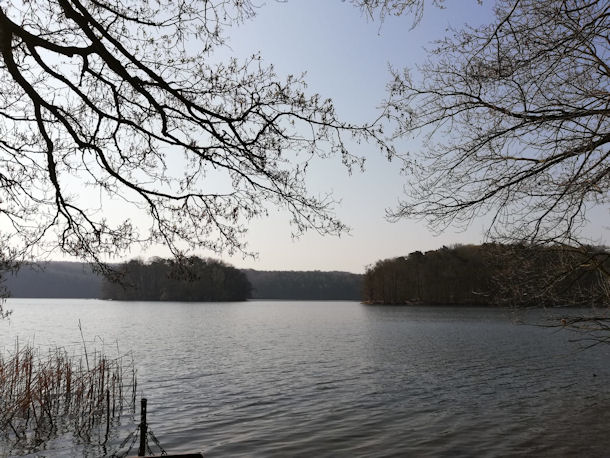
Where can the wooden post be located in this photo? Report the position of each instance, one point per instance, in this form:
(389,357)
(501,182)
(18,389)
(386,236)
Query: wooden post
(143,428)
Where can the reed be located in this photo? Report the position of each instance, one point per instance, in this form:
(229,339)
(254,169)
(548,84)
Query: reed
(48,393)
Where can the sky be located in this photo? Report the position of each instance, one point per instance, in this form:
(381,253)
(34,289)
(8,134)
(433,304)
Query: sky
(346,56)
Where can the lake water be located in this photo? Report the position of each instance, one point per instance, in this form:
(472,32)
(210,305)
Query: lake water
(277,378)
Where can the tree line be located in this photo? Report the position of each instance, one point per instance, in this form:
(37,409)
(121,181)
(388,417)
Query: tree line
(199,279)
(57,279)
(305,285)
(492,274)
(192,279)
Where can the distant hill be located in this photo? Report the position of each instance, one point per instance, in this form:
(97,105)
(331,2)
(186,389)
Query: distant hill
(54,280)
(305,285)
(76,280)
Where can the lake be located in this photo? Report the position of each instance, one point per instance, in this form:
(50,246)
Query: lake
(278,379)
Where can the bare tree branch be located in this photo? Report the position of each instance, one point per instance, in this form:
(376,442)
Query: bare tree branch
(516,121)
(108,96)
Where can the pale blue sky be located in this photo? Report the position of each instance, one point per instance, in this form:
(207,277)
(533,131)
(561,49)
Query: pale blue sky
(346,57)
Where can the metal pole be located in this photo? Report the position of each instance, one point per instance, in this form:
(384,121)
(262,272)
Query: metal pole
(143,428)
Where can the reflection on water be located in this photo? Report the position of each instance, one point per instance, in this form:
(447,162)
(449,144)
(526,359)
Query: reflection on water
(341,379)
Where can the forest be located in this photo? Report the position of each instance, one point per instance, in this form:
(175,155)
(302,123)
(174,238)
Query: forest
(79,280)
(492,275)
(193,279)
(305,285)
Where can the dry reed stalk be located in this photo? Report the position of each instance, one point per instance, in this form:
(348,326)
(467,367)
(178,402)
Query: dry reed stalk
(43,395)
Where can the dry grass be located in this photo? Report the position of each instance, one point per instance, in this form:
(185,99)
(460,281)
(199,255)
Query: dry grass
(46,394)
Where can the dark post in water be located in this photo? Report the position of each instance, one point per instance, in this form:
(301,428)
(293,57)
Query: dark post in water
(143,428)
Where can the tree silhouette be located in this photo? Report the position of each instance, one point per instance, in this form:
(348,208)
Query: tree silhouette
(515,116)
(110,95)
(190,279)
(492,274)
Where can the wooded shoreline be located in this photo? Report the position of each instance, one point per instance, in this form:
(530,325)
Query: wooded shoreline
(487,275)
(491,275)
(58,279)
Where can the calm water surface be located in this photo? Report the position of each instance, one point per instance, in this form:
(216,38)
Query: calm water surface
(274,378)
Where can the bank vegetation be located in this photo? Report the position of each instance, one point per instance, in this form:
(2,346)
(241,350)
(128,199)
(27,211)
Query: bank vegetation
(191,279)
(492,275)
